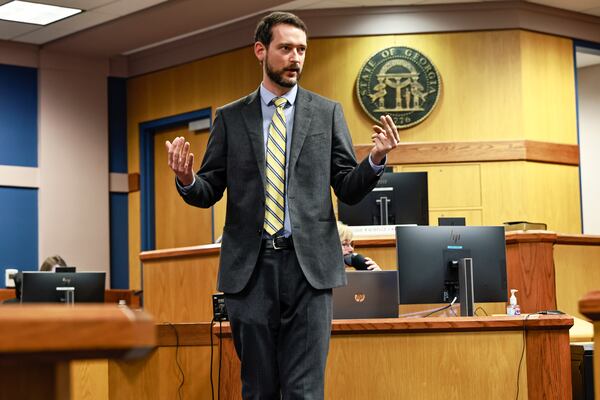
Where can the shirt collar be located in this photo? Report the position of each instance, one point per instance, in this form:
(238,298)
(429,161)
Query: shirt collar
(267,97)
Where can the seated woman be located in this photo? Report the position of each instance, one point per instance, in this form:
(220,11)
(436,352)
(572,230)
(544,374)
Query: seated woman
(347,249)
(49,264)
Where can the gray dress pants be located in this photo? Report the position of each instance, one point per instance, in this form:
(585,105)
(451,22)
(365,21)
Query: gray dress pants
(281,327)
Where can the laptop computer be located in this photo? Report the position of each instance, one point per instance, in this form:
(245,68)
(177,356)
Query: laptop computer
(369,294)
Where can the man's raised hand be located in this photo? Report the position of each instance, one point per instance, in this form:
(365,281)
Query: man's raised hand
(180,160)
(385,138)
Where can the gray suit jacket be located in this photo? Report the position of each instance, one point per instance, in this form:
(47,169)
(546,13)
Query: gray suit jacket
(321,155)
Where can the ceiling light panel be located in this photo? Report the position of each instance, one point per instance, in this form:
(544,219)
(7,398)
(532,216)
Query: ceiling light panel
(35,13)
(64,28)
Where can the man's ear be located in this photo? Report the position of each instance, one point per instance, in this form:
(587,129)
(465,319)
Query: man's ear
(260,50)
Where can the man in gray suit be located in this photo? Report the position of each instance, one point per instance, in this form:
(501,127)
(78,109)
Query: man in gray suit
(277,151)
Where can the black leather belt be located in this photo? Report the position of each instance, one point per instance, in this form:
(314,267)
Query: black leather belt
(278,243)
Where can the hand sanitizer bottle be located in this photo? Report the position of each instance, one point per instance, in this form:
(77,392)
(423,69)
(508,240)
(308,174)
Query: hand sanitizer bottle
(513,308)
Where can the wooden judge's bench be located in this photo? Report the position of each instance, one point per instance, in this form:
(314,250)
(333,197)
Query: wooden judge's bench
(451,358)
(550,270)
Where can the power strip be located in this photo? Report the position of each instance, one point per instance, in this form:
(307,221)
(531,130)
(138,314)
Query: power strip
(219,309)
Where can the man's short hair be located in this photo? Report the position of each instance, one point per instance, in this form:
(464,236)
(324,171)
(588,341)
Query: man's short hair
(264,29)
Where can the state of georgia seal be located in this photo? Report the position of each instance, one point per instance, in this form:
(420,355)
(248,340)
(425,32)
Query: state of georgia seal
(401,82)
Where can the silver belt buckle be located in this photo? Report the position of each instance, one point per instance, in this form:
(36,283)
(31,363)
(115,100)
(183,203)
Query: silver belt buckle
(275,245)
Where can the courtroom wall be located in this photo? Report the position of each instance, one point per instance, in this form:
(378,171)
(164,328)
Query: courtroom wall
(73,159)
(496,85)
(54,170)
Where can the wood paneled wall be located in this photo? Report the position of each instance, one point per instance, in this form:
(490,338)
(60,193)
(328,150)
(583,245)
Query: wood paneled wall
(172,216)
(414,357)
(496,85)
(485,359)
(193,278)
(89,379)
(492,193)
(159,376)
(577,270)
(548,89)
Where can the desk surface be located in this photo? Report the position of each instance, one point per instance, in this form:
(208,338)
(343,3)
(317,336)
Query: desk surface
(440,324)
(83,331)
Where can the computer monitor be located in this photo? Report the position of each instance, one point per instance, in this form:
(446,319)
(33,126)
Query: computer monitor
(65,269)
(44,287)
(428,262)
(398,198)
(452,221)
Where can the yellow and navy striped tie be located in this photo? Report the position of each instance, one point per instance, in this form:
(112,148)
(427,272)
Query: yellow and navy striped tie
(275,171)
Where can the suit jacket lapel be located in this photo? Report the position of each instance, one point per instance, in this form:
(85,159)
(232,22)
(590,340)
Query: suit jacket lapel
(253,119)
(302,118)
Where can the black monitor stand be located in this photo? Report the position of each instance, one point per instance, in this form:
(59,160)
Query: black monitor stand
(459,283)
(465,287)
(383,202)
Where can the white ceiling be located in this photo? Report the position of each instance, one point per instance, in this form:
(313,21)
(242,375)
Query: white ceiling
(150,22)
(95,12)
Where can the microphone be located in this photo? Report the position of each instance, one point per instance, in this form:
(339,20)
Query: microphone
(356,260)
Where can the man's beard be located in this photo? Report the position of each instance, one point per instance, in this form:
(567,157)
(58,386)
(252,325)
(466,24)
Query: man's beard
(278,78)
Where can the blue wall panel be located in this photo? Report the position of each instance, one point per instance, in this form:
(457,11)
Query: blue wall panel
(117,124)
(117,143)
(18,229)
(18,116)
(119,243)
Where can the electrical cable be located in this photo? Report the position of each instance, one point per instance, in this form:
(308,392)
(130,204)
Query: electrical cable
(212,388)
(441,308)
(179,389)
(220,359)
(482,309)
(522,350)
(452,310)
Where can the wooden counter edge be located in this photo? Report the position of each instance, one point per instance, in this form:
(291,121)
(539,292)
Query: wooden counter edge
(93,328)
(435,324)
(582,240)
(478,151)
(205,249)
(512,237)
(589,305)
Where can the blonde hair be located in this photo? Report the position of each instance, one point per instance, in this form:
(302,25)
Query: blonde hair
(345,232)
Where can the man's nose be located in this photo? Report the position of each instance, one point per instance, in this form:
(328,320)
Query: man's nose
(295,56)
